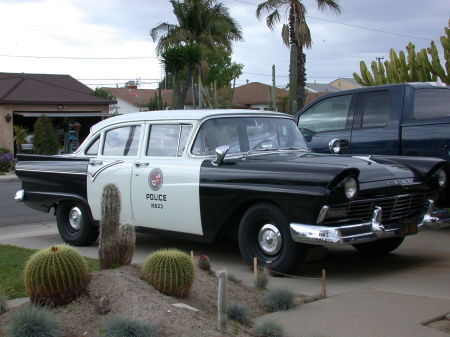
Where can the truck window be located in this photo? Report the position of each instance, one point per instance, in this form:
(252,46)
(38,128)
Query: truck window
(431,103)
(376,110)
(327,115)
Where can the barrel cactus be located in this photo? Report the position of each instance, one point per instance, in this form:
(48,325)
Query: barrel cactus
(170,271)
(56,275)
(127,241)
(108,242)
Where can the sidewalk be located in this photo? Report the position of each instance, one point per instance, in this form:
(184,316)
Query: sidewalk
(364,313)
(8,177)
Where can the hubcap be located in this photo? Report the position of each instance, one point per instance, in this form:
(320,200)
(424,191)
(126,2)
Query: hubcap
(75,217)
(269,239)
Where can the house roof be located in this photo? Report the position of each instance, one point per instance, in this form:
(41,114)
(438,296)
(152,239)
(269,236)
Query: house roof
(351,80)
(22,88)
(140,97)
(255,93)
(321,87)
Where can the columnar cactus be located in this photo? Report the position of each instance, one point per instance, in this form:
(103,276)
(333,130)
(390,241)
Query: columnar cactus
(55,275)
(127,241)
(109,227)
(170,271)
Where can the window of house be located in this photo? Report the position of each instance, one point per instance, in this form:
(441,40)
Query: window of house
(122,141)
(327,115)
(376,110)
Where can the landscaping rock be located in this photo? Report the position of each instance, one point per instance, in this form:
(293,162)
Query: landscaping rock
(103,306)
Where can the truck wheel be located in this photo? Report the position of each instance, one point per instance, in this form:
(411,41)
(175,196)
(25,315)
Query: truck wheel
(264,233)
(74,225)
(380,247)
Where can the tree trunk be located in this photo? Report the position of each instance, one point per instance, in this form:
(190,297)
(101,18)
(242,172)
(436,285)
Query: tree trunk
(301,77)
(184,89)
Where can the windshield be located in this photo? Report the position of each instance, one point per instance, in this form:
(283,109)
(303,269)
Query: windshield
(245,134)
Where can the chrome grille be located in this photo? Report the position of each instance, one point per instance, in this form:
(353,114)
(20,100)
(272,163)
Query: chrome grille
(398,207)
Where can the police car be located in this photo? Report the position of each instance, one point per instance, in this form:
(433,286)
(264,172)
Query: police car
(206,174)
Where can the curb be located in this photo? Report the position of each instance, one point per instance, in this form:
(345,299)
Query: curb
(9,177)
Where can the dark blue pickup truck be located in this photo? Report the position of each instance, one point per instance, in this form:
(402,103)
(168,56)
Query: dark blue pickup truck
(401,119)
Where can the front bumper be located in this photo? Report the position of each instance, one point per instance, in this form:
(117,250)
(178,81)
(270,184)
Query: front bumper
(368,231)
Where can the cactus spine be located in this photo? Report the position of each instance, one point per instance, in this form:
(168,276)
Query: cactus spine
(127,240)
(55,275)
(109,227)
(170,271)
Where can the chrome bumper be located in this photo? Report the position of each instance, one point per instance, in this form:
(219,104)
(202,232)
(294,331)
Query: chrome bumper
(368,231)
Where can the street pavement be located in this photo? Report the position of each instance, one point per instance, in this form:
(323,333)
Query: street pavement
(11,212)
(386,296)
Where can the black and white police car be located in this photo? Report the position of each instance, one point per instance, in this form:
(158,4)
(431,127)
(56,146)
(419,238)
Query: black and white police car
(205,174)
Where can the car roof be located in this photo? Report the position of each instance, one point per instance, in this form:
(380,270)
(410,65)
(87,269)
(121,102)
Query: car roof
(182,115)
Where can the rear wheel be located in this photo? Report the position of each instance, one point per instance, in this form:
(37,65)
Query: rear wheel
(264,233)
(380,247)
(74,225)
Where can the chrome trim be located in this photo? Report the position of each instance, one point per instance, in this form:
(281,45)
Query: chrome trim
(100,170)
(322,214)
(269,239)
(75,218)
(366,231)
(221,152)
(61,172)
(20,196)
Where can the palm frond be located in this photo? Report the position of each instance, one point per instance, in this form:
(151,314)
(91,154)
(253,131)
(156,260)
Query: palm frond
(272,19)
(161,29)
(333,5)
(269,6)
(285,34)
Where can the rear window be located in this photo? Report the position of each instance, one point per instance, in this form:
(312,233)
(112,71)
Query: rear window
(431,103)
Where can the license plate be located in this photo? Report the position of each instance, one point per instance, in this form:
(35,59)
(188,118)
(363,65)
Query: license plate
(408,227)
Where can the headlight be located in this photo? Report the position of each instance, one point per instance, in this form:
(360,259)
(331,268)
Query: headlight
(442,177)
(350,187)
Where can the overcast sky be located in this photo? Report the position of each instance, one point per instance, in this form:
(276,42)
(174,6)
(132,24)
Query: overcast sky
(98,29)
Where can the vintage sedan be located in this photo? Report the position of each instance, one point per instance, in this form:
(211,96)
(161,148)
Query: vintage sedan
(207,174)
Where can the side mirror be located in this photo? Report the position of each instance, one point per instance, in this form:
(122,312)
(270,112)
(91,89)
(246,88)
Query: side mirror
(337,145)
(221,152)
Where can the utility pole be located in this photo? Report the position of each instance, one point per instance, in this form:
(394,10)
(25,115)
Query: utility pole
(274,104)
(379,59)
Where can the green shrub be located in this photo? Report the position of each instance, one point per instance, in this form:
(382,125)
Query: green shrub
(45,140)
(55,275)
(238,313)
(32,321)
(262,279)
(170,271)
(3,305)
(124,327)
(279,300)
(268,329)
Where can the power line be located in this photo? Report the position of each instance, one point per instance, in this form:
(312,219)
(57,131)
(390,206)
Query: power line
(80,58)
(351,25)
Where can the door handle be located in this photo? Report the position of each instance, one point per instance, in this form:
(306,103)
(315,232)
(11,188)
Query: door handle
(139,164)
(96,162)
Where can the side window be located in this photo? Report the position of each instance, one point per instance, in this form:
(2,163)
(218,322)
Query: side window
(163,140)
(214,133)
(376,110)
(122,141)
(185,131)
(431,103)
(327,115)
(92,150)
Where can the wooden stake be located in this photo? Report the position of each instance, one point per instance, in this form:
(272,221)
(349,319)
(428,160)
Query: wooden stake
(255,267)
(192,256)
(222,302)
(324,283)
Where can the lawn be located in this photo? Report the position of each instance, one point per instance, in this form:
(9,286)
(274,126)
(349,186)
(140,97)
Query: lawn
(12,262)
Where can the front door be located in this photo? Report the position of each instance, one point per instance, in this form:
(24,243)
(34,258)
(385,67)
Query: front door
(165,182)
(113,164)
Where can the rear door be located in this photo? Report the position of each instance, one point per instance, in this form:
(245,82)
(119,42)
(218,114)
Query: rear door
(327,119)
(165,181)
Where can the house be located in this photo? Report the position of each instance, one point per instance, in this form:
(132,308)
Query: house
(255,95)
(320,88)
(131,99)
(345,83)
(24,97)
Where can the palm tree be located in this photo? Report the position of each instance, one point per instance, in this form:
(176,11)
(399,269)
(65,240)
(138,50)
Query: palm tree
(295,32)
(20,133)
(205,22)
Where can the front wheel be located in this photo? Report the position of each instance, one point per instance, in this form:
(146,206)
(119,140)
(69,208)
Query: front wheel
(74,225)
(379,247)
(264,233)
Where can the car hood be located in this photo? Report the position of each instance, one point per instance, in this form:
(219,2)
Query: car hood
(370,169)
